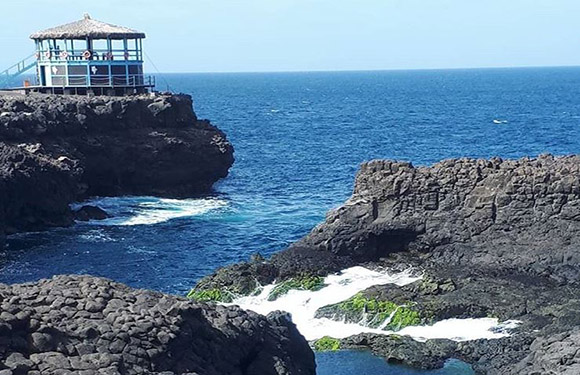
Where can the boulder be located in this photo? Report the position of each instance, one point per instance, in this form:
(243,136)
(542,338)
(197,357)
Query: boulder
(88,212)
(83,324)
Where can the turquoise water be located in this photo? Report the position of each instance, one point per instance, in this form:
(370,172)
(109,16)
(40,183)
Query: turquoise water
(299,139)
(350,362)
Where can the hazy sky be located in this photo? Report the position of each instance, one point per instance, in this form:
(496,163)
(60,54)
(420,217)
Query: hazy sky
(298,35)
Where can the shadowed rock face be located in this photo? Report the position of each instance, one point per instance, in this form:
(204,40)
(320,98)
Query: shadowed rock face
(87,325)
(484,213)
(25,181)
(497,216)
(57,149)
(492,237)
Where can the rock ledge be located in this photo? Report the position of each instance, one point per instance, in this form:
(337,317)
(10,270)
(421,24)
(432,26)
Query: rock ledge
(55,150)
(87,325)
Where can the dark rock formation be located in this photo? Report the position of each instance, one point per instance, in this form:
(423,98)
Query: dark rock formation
(404,350)
(88,212)
(486,356)
(87,325)
(495,237)
(482,213)
(58,149)
(35,190)
(555,354)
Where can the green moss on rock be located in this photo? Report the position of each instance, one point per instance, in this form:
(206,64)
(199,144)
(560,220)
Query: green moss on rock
(404,317)
(377,311)
(327,344)
(374,313)
(312,283)
(211,295)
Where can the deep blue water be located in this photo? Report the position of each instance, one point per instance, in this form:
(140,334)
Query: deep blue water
(364,363)
(299,139)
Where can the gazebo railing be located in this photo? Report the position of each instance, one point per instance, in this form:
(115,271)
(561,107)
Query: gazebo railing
(134,80)
(95,55)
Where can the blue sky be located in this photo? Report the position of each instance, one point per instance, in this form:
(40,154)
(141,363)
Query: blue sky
(307,35)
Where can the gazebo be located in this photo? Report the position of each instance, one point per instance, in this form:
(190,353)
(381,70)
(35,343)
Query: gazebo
(90,57)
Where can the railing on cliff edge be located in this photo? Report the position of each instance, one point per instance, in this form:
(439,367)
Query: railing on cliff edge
(21,67)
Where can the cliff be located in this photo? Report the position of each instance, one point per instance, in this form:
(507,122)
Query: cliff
(88,325)
(55,150)
(494,237)
(498,214)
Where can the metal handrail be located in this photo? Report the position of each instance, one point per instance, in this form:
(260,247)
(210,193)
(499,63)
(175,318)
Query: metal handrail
(7,75)
(20,67)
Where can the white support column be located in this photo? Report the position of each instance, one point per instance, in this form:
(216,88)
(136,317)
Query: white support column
(111,78)
(140,49)
(126,58)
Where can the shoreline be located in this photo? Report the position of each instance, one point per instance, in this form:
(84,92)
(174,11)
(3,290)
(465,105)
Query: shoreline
(58,150)
(480,230)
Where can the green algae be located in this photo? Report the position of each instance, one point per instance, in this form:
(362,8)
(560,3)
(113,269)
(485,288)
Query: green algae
(404,317)
(312,283)
(211,295)
(376,312)
(327,344)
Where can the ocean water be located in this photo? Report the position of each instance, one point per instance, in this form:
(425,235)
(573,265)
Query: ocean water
(299,139)
(350,362)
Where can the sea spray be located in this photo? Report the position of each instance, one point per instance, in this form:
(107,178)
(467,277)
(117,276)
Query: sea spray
(303,304)
(151,210)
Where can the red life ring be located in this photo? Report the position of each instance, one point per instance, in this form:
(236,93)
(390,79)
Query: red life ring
(87,55)
(48,55)
(64,55)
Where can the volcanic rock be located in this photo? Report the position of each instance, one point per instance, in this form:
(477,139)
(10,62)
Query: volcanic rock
(55,150)
(492,238)
(88,325)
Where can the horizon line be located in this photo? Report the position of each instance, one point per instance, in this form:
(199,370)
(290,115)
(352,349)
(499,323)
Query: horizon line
(372,70)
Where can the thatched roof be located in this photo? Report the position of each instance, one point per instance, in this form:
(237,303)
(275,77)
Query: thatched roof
(88,28)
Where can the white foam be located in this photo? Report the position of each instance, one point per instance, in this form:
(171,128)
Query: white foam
(150,210)
(96,235)
(340,287)
(462,329)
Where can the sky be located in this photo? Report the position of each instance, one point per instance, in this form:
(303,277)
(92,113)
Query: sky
(318,35)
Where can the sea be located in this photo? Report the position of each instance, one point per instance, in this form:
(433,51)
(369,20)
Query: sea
(299,139)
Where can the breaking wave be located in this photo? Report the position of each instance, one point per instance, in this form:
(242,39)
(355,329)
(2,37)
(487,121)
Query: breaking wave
(151,210)
(303,304)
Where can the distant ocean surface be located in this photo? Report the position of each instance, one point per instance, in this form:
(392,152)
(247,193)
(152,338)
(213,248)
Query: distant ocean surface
(299,139)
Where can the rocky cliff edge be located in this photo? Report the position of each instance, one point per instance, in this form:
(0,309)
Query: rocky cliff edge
(492,238)
(87,325)
(55,150)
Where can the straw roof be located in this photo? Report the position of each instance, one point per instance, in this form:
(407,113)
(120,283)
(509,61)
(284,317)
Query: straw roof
(88,28)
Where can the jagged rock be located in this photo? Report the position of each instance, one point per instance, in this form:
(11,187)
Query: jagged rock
(84,324)
(55,150)
(88,212)
(493,238)
(485,213)
(401,349)
(34,190)
(555,354)
(490,214)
